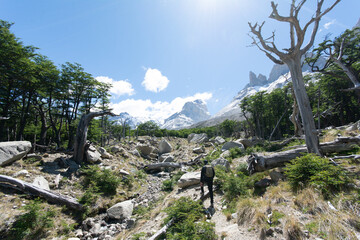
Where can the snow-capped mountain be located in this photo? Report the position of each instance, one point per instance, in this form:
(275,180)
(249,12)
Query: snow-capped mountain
(129,120)
(191,113)
(278,77)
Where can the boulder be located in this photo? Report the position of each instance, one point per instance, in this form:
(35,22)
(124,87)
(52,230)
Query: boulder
(221,162)
(145,150)
(116,149)
(164,147)
(13,151)
(21,173)
(263,183)
(219,140)
(246,142)
(189,179)
(198,138)
(122,210)
(104,153)
(199,150)
(92,155)
(225,154)
(41,182)
(167,157)
(135,152)
(229,145)
(276,176)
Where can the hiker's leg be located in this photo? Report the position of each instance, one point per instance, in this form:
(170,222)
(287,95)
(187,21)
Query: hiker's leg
(202,190)
(210,186)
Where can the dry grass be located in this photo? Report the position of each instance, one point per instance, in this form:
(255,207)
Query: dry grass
(251,211)
(279,194)
(309,201)
(293,229)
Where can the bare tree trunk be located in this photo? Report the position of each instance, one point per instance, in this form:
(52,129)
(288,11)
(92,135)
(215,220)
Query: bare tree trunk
(81,134)
(294,118)
(311,138)
(48,195)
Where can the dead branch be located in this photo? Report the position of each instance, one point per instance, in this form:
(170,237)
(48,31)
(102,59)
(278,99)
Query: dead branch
(33,190)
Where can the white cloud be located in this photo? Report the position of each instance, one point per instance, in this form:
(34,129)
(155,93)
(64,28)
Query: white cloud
(328,24)
(159,111)
(122,87)
(154,81)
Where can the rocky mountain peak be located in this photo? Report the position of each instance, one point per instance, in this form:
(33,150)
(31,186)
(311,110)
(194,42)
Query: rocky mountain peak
(191,113)
(259,80)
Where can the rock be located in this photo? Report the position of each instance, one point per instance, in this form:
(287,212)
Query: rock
(263,183)
(164,147)
(234,216)
(92,155)
(116,149)
(198,138)
(189,179)
(57,180)
(75,238)
(270,231)
(79,233)
(225,154)
(21,173)
(246,142)
(167,157)
(219,140)
(135,152)
(104,153)
(130,223)
(41,182)
(199,150)
(122,210)
(221,162)
(35,156)
(123,172)
(145,150)
(13,151)
(229,145)
(276,176)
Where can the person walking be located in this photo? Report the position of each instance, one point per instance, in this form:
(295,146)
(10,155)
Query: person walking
(207,176)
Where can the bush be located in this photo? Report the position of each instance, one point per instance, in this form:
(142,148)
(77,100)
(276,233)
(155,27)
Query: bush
(34,223)
(167,185)
(236,152)
(185,213)
(311,169)
(104,180)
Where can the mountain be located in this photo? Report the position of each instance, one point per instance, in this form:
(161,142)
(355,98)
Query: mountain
(278,77)
(191,113)
(130,120)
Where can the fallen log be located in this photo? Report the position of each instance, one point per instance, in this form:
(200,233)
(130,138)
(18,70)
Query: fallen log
(259,163)
(161,231)
(33,190)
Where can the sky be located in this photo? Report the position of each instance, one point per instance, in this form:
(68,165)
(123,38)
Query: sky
(159,54)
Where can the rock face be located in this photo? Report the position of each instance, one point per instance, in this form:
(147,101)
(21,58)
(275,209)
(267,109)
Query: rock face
(189,179)
(13,151)
(257,81)
(122,210)
(197,138)
(164,147)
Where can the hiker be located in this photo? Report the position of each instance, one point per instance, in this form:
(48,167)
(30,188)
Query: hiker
(207,176)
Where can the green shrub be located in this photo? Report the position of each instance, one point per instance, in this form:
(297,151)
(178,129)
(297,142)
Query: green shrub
(311,169)
(236,152)
(275,218)
(34,223)
(104,180)
(186,214)
(167,185)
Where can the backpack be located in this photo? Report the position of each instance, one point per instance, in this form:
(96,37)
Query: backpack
(209,171)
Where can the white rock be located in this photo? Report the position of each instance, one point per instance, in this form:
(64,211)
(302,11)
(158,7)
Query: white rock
(122,210)
(41,182)
(189,179)
(221,162)
(164,147)
(21,173)
(92,155)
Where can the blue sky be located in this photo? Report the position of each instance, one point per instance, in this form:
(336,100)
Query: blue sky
(161,53)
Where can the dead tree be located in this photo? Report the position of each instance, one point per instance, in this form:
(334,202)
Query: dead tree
(292,58)
(81,133)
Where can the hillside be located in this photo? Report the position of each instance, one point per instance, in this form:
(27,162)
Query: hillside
(264,207)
